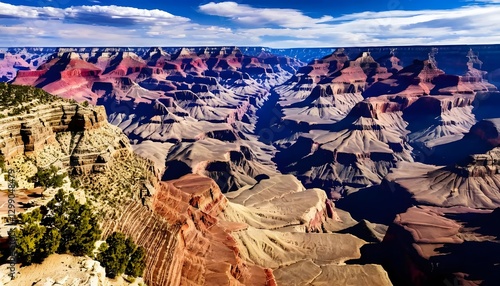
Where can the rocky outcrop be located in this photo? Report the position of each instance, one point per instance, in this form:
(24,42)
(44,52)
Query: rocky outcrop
(441,246)
(417,113)
(190,246)
(326,90)
(229,161)
(280,202)
(472,186)
(68,127)
(357,152)
(488,130)
(64,270)
(288,228)
(484,165)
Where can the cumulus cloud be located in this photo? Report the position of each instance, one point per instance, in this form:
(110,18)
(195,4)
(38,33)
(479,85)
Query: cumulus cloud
(94,14)
(28,12)
(245,14)
(464,25)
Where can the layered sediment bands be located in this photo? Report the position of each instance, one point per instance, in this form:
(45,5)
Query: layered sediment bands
(210,256)
(194,236)
(186,243)
(474,182)
(300,85)
(322,106)
(483,165)
(232,164)
(175,96)
(28,76)
(280,202)
(82,136)
(321,257)
(335,85)
(416,79)
(289,229)
(358,151)
(160,239)
(401,123)
(425,78)
(307,273)
(416,234)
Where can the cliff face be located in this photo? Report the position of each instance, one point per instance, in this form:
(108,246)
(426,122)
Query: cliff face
(484,165)
(186,242)
(288,229)
(158,238)
(68,127)
(194,235)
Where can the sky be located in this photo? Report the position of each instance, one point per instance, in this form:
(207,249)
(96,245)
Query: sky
(267,23)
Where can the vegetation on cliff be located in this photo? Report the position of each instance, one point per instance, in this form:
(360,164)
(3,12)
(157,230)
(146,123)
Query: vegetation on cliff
(65,226)
(62,226)
(120,255)
(17,99)
(48,178)
(121,182)
(2,162)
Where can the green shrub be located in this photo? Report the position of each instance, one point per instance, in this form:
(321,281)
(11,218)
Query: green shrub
(2,162)
(120,255)
(28,239)
(62,226)
(48,178)
(136,265)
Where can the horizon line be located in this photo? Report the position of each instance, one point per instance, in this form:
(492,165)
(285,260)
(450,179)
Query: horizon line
(252,46)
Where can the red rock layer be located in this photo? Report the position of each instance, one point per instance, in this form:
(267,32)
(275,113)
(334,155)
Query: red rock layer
(185,242)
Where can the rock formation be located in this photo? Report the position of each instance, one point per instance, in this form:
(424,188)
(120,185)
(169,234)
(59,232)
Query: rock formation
(249,152)
(441,246)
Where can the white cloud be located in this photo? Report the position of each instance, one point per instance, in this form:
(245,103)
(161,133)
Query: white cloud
(106,13)
(119,12)
(465,25)
(246,14)
(28,12)
(485,1)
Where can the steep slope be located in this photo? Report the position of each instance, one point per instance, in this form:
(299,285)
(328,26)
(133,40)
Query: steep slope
(358,151)
(410,115)
(443,246)
(475,185)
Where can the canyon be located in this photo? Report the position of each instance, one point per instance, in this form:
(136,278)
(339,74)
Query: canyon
(257,166)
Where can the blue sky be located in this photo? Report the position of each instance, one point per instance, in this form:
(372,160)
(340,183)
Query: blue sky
(277,24)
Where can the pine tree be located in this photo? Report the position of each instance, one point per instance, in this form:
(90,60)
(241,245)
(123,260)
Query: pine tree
(136,265)
(116,255)
(49,244)
(86,231)
(33,216)
(48,178)
(28,239)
